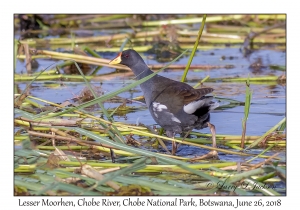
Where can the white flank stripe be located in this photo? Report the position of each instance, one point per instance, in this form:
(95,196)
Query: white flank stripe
(158,107)
(175,119)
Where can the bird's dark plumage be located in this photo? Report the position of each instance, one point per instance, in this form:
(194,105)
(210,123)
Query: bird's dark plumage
(175,106)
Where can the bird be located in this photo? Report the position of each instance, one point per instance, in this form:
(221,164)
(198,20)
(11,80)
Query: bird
(176,106)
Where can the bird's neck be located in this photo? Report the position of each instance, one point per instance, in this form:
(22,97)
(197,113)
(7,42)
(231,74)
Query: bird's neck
(139,73)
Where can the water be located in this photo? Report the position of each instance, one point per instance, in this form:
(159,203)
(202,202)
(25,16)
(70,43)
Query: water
(268,105)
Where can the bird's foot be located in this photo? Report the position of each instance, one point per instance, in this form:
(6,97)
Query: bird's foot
(211,155)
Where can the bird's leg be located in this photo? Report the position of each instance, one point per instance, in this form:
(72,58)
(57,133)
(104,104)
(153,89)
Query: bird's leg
(212,154)
(171,134)
(174,146)
(213,134)
(212,128)
(186,135)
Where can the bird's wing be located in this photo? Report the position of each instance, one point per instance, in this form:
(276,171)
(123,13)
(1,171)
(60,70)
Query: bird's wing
(176,96)
(193,94)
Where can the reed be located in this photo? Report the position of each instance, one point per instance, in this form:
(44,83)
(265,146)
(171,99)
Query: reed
(248,96)
(194,50)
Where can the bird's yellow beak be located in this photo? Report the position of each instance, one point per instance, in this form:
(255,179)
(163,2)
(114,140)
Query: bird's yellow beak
(116,60)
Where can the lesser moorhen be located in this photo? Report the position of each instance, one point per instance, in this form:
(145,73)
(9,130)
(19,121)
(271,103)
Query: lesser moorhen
(175,106)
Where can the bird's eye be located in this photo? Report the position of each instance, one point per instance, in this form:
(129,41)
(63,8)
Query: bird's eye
(126,56)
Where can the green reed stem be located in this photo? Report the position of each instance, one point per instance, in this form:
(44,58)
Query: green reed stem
(194,49)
